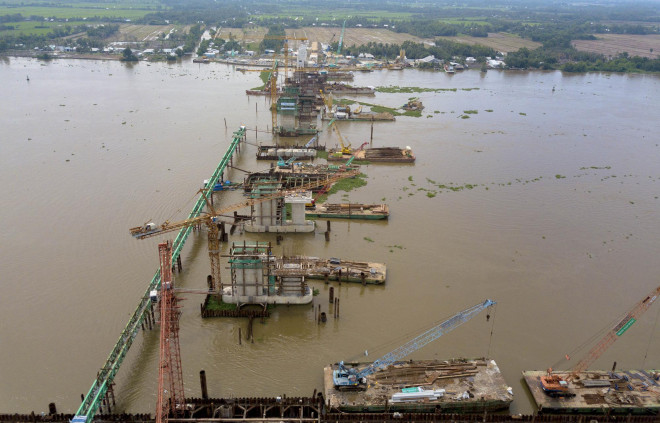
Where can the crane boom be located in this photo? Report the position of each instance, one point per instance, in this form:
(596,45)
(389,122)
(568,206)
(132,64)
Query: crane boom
(349,378)
(341,38)
(556,386)
(345,149)
(151,229)
(614,333)
(426,338)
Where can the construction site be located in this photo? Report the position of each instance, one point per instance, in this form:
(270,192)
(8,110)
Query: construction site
(282,200)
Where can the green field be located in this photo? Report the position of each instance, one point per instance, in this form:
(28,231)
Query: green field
(80,10)
(324,15)
(38,27)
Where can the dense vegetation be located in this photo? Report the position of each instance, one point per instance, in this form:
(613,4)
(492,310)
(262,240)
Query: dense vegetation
(443,50)
(87,24)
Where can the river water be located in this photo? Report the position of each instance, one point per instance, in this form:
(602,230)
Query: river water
(561,225)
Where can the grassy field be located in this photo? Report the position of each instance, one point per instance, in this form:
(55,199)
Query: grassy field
(248,35)
(338,14)
(131,32)
(354,36)
(77,11)
(359,36)
(613,44)
(497,41)
(38,27)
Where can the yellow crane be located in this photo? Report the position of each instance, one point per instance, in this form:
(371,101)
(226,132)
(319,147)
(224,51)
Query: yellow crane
(211,218)
(345,149)
(286,39)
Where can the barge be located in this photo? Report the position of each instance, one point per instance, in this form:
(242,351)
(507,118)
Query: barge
(377,154)
(276,152)
(600,392)
(339,88)
(457,386)
(349,211)
(363,117)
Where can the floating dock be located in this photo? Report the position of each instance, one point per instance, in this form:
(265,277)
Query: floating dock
(463,385)
(600,392)
(349,211)
(332,269)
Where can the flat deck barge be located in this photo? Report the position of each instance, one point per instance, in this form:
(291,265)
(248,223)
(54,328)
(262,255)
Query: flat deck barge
(377,154)
(332,269)
(276,152)
(470,385)
(349,211)
(600,392)
(363,117)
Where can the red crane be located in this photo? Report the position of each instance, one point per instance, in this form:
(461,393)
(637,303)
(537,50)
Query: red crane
(170,379)
(556,386)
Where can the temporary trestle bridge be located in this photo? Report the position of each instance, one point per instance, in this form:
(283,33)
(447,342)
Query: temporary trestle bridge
(105,377)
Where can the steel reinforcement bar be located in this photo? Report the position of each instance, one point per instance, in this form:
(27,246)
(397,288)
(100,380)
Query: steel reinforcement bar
(106,375)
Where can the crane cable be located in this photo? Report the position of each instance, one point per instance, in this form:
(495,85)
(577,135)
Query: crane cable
(492,328)
(651,338)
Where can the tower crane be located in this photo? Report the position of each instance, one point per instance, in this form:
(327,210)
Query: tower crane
(286,39)
(345,378)
(272,83)
(556,386)
(171,396)
(212,217)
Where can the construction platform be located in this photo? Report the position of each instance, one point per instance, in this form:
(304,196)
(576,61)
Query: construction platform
(349,211)
(378,154)
(293,175)
(600,392)
(332,269)
(463,385)
(276,152)
(339,88)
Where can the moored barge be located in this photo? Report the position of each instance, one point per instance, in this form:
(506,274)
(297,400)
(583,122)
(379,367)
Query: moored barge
(458,385)
(349,211)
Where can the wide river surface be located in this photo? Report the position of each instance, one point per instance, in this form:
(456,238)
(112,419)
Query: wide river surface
(555,214)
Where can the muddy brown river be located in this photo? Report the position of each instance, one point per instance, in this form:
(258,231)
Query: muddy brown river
(554,213)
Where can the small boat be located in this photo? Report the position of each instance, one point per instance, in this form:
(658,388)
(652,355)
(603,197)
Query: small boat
(449,69)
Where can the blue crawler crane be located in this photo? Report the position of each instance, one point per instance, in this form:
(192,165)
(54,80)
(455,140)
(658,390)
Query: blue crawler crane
(349,378)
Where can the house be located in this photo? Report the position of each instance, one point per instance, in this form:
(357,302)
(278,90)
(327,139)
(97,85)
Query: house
(495,64)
